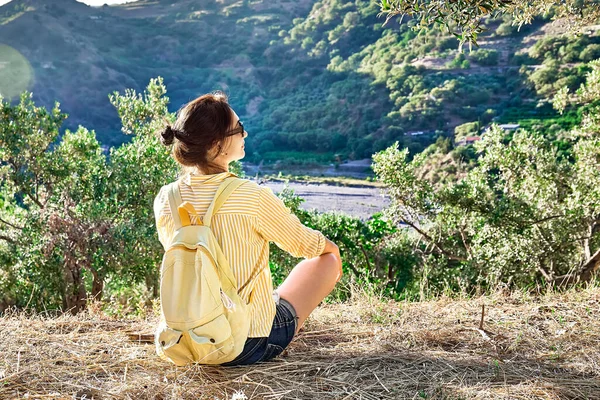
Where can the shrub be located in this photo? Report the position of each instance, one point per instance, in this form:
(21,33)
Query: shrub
(372,251)
(591,52)
(507,29)
(468,129)
(485,57)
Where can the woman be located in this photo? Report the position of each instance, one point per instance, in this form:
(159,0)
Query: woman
(206,137)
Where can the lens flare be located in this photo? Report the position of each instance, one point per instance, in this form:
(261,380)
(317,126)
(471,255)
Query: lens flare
(16,74)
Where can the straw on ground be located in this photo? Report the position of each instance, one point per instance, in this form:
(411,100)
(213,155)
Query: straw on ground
(528,348)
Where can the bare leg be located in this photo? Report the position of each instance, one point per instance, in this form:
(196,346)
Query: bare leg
(309,283)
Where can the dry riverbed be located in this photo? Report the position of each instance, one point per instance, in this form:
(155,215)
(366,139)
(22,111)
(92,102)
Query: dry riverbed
(358,201)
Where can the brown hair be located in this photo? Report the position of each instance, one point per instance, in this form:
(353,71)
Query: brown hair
(199,133)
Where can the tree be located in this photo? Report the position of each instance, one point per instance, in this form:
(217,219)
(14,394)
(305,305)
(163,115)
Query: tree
(464,17)
(524,213)
(138,170)
(67,211)
(52,219)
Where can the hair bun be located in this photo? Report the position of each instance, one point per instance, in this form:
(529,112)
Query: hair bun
(167,135)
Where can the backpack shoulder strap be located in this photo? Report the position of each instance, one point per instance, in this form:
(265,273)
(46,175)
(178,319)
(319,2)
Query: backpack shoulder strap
(222,194)
(174,203)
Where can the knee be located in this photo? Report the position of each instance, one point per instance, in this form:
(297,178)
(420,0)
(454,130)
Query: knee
(334,267)
(340,270)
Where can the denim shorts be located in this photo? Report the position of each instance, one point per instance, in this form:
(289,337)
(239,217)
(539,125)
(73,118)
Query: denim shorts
(266,348)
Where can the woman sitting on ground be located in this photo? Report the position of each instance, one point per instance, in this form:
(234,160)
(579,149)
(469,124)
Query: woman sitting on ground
(206,137)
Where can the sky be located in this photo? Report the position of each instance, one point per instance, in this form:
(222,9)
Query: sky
(90,2)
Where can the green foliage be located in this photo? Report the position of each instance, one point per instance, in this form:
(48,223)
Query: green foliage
(551,77)
(266,146)
(542,117)
(517,217)
(51,219)
(487,57)
(590,53)
(468,129)
(72,219)
(318,78)
(464,18)
(333,82)
(566,49)
(528,211)
(460,61)
(373,252)
(296,158)
(507,28)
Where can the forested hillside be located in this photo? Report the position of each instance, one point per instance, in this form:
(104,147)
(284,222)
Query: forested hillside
(320,77)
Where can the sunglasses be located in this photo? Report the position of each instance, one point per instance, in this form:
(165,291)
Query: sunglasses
(236,130)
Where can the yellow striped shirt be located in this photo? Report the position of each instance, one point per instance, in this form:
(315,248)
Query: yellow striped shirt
(251,218)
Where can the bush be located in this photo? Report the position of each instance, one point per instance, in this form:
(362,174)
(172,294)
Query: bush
(507,29)
(489,227)
(591,52)
(372,251)
(485,57)
(468,129)
(522,59)
(457,62)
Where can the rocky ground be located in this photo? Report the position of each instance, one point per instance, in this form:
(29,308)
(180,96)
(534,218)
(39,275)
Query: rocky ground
(360,202)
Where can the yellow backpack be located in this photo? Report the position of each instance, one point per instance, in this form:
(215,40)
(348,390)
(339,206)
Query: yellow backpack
(203,318)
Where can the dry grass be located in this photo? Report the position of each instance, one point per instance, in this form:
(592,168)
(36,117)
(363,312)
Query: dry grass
(543,348)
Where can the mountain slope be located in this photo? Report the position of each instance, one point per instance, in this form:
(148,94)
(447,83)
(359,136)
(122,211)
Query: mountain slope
(323,77)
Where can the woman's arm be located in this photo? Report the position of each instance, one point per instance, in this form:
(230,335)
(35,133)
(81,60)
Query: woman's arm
(276,223)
